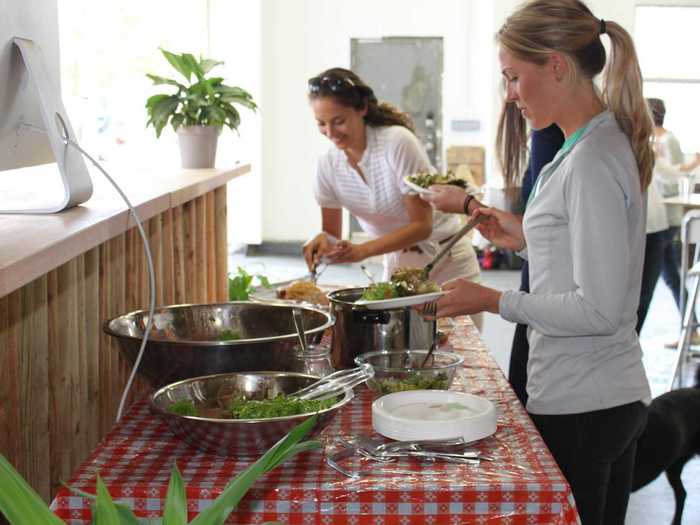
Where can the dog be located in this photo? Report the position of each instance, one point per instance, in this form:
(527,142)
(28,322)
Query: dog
(670,440)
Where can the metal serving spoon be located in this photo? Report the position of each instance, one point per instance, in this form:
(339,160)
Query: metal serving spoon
(471,223)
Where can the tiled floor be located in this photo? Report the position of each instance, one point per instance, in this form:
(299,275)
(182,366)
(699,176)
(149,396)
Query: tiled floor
(653,504)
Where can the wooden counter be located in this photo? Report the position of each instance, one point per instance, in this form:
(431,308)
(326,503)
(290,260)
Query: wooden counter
(62,275)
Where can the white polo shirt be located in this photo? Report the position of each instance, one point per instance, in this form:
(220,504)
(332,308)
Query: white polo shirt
(392,153)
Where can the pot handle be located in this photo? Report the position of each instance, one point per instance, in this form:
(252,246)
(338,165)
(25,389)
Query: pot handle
(362,315)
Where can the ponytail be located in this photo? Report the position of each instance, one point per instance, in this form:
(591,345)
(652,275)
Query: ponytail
(622,93)
(385,114)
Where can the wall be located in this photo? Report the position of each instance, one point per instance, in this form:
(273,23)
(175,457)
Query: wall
(304,37)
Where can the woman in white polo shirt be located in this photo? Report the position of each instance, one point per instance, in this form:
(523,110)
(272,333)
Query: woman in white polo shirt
(374,148)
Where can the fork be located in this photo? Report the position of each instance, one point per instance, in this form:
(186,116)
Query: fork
(336,383)
(429,311)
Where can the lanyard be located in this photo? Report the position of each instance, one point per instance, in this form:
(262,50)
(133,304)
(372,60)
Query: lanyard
(569,143)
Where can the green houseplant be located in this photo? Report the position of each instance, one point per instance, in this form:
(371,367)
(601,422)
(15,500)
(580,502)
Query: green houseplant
(201,106)
(21,505)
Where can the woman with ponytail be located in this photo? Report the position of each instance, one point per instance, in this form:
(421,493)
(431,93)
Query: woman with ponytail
(374,149)
(583,233)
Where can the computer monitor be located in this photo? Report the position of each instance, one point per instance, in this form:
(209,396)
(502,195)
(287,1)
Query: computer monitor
(32,116)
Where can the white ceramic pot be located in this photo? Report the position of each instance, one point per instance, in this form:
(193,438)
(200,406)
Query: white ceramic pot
(198,146)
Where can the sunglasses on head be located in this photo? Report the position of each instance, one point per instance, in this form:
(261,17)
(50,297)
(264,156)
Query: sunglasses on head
(331,83)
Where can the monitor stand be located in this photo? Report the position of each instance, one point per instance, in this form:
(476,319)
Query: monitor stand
(32,196)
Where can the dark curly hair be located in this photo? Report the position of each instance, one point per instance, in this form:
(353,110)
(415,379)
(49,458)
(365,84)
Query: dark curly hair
(348,89)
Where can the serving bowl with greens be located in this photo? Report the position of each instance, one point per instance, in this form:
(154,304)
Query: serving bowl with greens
(400,370)
(240,414)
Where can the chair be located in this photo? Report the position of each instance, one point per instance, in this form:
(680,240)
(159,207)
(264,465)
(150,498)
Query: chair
(690,234)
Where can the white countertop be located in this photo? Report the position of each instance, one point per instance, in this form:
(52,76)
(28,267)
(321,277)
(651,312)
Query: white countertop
(32,245)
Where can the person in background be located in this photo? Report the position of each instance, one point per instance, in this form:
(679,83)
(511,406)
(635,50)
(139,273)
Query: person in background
(668,169)
(374,148)
(663,221)
(583,234)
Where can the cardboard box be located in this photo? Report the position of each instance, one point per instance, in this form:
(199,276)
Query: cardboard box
(469,157)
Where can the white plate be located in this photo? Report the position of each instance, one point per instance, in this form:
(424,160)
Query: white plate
(400,302)
(433,414)
(269,295)
(417,189)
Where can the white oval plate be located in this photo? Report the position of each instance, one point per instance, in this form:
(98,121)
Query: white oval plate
(433,414)
(400,302)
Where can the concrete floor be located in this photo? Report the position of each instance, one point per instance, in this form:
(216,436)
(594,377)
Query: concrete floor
(651,505)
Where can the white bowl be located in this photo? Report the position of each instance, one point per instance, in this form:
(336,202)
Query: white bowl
(433,414)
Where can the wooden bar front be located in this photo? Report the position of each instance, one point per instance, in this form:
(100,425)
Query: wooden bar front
(62,377)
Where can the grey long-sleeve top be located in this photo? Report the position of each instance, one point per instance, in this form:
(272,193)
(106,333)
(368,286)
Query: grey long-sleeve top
(585,235)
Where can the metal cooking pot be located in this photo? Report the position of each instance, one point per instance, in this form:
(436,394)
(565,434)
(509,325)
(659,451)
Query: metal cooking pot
(358,330)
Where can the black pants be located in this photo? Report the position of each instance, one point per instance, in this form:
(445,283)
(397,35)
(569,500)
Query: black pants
(653,259)
(660,258)
(671,262)
(517,367)
(595,452)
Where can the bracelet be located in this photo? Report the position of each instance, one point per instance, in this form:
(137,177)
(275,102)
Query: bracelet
(467,201)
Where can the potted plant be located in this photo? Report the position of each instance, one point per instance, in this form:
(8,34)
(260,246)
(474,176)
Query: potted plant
(198,110)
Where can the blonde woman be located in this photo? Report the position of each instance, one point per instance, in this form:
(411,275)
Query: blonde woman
(583,234)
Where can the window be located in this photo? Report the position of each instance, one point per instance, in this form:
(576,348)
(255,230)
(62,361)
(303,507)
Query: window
(106,50)
(670,63)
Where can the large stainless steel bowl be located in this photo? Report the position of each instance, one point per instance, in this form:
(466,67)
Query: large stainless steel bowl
(236,437)
(185,341)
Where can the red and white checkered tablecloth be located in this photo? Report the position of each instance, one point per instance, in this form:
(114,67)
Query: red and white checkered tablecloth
(523,485)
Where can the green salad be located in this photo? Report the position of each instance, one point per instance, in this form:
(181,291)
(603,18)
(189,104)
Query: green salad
(425,179)
(184,407)
(241,408)
(405,281)
(279,406)
(413,382)
(229,335)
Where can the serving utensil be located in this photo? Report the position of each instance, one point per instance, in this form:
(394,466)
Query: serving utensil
(430,311)
(367,273)
(336,383)
(471,223)
(298,317)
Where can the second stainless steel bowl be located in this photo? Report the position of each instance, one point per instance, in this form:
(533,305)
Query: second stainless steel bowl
(236,437)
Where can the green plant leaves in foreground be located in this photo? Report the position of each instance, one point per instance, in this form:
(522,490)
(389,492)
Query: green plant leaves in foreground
(18,501)
(22,506)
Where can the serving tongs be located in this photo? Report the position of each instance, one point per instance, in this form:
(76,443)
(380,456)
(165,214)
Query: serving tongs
(471,223)
(336,383)
(317,268)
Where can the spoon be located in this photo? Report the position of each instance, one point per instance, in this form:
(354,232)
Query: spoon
(298,317)
(367,273)
(456,237)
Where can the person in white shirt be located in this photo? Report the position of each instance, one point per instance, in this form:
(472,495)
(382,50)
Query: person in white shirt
(583,234)
(662,256)
(374,148)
